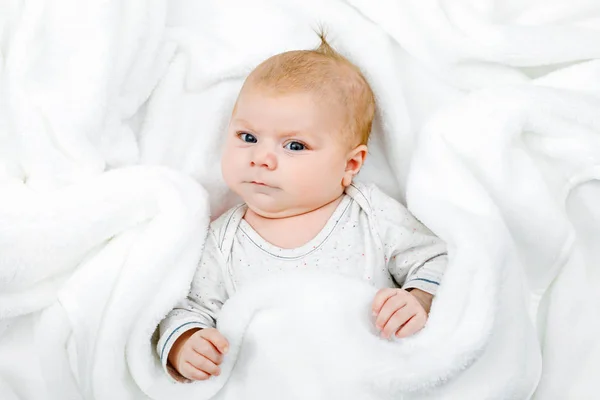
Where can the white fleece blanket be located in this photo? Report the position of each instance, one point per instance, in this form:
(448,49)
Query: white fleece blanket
(488,127)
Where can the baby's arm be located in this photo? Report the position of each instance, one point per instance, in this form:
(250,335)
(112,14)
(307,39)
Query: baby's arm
(416,260)
(402,312)
(189,347)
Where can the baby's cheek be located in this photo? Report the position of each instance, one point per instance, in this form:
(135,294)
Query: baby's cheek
(306,180)
(229,168)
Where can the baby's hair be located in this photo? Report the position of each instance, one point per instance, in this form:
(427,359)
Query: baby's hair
(327,73)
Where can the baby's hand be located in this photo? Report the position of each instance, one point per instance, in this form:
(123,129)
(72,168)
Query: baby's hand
(400,312)
(197,354)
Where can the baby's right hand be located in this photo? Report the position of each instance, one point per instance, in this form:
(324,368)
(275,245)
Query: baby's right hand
(197,354)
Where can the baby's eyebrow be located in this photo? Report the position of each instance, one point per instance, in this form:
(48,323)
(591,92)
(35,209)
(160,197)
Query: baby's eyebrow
(288,134)
(243,122)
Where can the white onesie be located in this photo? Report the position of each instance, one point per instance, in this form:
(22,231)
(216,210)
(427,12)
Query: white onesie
(369,236)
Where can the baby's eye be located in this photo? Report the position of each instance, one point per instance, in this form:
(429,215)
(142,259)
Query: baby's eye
(295,146)
(247,137)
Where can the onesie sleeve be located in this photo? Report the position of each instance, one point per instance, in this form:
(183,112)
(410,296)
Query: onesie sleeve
(416,258)
(201,306)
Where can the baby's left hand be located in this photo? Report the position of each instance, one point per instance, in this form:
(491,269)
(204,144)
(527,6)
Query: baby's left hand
(400,312)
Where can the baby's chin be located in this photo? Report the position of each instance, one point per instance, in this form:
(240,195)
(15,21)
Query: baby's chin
(273,210)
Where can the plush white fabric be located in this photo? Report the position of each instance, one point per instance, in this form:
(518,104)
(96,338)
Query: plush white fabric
(487,126)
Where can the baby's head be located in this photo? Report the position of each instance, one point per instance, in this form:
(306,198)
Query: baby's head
(298,132)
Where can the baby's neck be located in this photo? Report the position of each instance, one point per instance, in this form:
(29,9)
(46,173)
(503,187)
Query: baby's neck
(292,231)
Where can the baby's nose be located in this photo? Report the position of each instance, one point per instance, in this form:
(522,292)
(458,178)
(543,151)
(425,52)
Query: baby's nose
(266,159)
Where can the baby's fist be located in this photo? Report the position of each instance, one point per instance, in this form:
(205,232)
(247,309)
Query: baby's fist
(197,354)
(399,312)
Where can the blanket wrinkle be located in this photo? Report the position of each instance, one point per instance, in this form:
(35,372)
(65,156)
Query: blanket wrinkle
(111,120)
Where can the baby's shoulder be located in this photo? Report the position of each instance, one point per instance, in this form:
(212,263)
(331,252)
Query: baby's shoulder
(371,198)
(383,210)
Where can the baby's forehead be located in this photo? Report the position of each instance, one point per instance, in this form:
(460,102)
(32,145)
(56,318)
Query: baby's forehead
(299,108)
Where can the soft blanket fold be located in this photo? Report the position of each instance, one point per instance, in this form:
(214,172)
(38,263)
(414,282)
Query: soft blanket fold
(319,326)
(487,126)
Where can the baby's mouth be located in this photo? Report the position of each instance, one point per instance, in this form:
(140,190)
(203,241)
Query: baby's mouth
(262,184)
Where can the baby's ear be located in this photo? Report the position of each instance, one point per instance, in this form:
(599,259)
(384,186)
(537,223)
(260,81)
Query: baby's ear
(354,162)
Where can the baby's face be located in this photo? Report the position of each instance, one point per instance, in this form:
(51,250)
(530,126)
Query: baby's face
(285,154)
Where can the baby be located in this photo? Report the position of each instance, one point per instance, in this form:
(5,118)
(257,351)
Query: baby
(296,139)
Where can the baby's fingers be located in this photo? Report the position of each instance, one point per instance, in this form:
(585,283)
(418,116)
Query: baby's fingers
(202,364)
(414,325)
(216,338)
(391,306)
(381,298)
(398,318)
(188,371)
(208,350)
